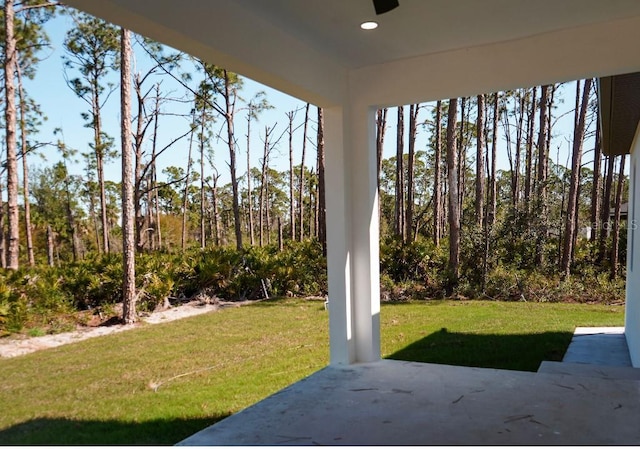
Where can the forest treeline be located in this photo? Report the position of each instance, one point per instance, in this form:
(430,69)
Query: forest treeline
(451,221)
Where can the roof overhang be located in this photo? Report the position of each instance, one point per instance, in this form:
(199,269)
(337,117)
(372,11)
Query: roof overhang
(422,50)
(619,98)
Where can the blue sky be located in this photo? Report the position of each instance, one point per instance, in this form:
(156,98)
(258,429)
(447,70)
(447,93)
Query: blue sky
(64,109)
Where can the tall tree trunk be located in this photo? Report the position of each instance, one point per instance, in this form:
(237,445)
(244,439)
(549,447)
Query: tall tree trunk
(595,188)
(280,236)
(399,209)
(154,173)
(531,118)
(128,212)
(292,202)
(381,128)
(543,156)
(252,237)
(301,184)
(185,195)
(576,162)
(437,174)
(616,220)
(493,188)
(479,202)
(71,222)
(606,210)
(462,155)
(413,130)
(515,184)
(10,65)
(25,169)
(454,212)
(203,234)
(3,246)
(229,108)
(137,176)
(216,212)
(322,208)
(94,218)
(263,184)
(267,207)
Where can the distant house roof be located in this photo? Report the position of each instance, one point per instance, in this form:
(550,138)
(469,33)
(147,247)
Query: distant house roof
(624,211)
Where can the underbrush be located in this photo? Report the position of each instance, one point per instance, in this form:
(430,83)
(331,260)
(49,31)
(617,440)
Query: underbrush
(48,299)
(56,299)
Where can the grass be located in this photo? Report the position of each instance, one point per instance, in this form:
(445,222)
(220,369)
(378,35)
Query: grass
(161,383)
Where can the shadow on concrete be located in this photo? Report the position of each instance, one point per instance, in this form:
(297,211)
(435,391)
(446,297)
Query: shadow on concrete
(69,432)
(522,352)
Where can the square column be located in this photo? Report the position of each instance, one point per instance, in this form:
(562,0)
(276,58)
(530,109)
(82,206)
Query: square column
(632,303)
(352,235)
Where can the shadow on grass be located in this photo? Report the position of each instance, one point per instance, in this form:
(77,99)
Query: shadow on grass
(522,352)
(69,432)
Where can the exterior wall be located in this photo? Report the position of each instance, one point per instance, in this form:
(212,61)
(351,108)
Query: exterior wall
(632,316)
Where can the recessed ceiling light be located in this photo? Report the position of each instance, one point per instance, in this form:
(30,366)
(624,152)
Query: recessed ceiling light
(369,25)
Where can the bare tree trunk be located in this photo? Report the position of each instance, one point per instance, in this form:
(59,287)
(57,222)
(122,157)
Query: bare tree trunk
(267,208)
(493,189)
(292,202)
(71,222)
(454,212)
(94,219)
(531,118)
(147,234)
(479,203)
(252,237)
(616,220)
(3,239)
(437,174)
(229,105)
(263,183)
(515,186)
(25,169)
(322,208)
(139,219)
(185,195)
(576,162)
(595,188)
(606,210)
(381,128)
(541,209)
(462,158)
(203,234)
(10,65)
(301,185)
(216,212)
(413,129)
(128,212)
(280,237)
(399,209)
(154,173)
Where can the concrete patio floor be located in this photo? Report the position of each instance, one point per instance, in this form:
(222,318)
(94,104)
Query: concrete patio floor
(406,403)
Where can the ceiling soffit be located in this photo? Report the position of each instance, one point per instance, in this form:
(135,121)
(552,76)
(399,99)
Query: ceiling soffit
(619,98)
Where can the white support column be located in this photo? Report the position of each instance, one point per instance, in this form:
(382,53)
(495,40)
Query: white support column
(352,235)
(632,303)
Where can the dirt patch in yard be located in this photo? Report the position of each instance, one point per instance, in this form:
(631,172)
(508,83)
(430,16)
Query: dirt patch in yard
(17,345)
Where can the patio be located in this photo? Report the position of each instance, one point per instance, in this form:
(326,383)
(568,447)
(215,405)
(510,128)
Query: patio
(406,403)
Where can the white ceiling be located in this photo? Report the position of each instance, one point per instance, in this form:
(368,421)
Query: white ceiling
(419,27)
(422,50)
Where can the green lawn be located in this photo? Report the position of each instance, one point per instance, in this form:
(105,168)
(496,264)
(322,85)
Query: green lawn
(160,383)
